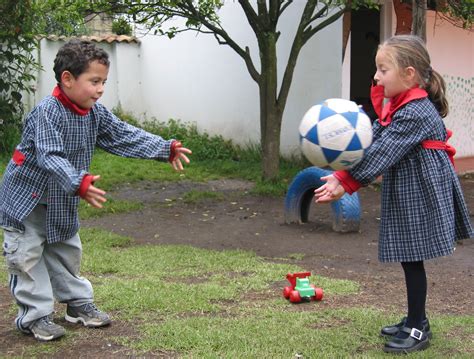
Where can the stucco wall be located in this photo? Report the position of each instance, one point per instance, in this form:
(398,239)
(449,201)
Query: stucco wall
(194,79)
(452,55)
(123,83)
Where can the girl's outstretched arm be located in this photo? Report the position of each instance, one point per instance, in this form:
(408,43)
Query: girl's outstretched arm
(330,191)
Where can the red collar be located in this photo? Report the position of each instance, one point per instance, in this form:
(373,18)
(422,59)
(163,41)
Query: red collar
(61,96)
(385,112)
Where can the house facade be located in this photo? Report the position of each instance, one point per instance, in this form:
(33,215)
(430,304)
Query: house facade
(193,79)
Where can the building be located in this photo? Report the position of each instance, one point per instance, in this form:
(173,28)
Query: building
(193,79)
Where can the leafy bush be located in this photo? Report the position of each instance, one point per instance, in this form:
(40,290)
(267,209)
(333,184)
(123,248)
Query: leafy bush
(20,24)
(121,26)
(16,65)
(203,145)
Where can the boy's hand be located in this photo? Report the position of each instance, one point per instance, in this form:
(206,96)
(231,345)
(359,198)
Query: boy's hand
(330,191)
(95,196)
(180,155)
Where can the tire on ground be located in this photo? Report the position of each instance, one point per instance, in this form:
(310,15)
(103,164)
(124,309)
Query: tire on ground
(300,195)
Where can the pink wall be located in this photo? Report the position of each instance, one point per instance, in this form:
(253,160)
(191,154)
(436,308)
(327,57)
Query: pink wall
(452,55)
(451,48)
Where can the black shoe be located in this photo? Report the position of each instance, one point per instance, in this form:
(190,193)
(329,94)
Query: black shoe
(417,341)
(393,330)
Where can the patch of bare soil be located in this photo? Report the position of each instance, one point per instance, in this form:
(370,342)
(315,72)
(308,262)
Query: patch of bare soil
(244,221)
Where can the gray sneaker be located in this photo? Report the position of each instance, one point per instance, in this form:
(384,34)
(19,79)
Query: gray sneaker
(88,315)
(44,329)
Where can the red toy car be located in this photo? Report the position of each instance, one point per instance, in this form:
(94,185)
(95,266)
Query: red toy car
(300,289)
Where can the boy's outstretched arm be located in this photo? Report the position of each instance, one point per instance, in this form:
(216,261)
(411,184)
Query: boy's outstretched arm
(93,195)
(331,191)
(179,154)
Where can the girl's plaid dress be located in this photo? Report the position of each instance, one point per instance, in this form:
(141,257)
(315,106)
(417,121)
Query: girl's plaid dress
(423,208)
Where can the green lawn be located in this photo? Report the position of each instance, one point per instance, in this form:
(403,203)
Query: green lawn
(228,304)
(198,303)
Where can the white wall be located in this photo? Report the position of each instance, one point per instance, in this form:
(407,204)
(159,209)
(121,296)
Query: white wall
(194,79)
(123,82)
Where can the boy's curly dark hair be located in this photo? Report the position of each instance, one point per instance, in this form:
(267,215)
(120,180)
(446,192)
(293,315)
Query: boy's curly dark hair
(75,57)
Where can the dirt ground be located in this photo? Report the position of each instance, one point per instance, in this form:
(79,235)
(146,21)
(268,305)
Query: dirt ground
(244,221)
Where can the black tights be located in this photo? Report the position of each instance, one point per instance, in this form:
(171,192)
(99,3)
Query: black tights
(415,279)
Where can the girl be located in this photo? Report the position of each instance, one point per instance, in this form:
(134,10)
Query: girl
(423,209)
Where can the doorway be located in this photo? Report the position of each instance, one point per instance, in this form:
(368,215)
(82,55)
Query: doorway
(365,38)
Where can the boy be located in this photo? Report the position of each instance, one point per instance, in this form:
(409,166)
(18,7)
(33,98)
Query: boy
(46,178)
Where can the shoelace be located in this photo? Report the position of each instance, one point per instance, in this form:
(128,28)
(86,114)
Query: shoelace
(47,320)
(90,307)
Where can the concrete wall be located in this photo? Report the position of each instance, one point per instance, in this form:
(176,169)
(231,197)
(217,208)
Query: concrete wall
(194,79)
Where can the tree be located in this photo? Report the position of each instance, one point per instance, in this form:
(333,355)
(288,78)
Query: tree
(419,18)
(20,23)
(460,13)
(16,44)
(263,17)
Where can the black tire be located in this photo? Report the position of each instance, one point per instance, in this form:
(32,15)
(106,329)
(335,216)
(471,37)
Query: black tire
(300,196)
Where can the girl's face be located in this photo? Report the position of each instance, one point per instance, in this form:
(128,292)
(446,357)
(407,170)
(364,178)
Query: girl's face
(394,80)
(88,87)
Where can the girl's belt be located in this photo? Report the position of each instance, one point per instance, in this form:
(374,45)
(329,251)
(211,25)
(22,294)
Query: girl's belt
(441,145)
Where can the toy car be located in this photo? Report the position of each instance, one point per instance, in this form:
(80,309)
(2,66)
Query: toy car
(300,289)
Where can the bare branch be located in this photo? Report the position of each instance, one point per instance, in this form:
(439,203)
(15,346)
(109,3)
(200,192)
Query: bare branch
(251,15)
(283,8)
(298,43)
(310,32)
(219,31)
(323,11)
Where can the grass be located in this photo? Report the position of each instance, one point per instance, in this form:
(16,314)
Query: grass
(199,303)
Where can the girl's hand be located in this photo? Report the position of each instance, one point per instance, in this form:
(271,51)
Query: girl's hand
(330,191)
(180,155)
(95,196)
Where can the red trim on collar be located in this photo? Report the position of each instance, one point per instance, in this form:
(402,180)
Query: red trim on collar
(385,112)
(66,101)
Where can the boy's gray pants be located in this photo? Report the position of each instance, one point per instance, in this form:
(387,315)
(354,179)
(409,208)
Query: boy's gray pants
(39,271)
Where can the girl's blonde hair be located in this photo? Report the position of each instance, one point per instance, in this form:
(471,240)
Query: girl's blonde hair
(410,50)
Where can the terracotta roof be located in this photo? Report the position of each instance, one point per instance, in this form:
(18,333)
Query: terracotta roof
(102,38)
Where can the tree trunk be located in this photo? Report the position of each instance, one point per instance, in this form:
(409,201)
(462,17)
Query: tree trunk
(270,114)
(404,15)
(419,18)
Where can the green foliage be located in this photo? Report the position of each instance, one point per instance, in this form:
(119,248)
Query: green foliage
(121,26)
(20,23)
(459,11)
(60,17)
(16,64)
(203,145)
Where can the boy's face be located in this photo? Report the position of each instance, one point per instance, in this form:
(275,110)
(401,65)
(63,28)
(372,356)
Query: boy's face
(88,87)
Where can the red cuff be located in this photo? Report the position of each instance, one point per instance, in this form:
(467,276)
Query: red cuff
(347,181)
(175,144)
(85,184)
(18,157)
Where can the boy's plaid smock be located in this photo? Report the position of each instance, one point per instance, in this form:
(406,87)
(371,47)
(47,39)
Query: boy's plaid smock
(423,208)
(58,146)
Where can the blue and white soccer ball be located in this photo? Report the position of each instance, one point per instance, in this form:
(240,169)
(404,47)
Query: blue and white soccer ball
(335,134)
